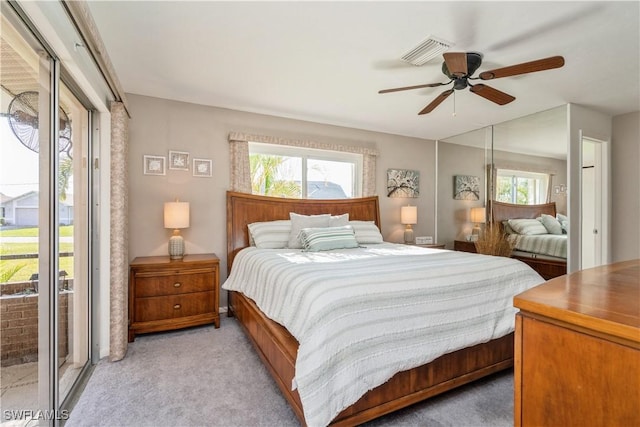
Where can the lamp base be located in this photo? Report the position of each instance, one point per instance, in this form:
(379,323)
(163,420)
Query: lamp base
(176,246)
(408,235)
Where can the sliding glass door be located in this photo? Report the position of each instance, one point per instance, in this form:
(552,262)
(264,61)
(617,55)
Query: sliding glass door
(44,230)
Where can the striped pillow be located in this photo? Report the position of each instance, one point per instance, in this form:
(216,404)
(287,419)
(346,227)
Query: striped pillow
(327,238)
(366,232)
(298,222)
(528,226)
(270,234)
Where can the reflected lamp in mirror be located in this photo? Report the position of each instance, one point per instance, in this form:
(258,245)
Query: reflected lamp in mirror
(176,216)
(409,217)
(478,216)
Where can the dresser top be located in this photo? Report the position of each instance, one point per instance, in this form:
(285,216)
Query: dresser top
(164,260)
(605,299)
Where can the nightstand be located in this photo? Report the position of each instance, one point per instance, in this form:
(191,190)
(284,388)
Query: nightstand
(464,246)
(167,294)
(431,245)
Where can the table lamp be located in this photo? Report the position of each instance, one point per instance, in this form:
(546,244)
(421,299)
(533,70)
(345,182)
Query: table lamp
(478,216)
(176,216)
(408,217)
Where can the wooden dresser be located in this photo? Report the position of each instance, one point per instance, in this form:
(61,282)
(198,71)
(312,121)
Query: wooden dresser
(169,294)
(577,349)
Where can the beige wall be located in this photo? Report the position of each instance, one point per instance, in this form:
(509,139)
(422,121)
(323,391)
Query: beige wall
(159,125)
(453,215)
(625,188)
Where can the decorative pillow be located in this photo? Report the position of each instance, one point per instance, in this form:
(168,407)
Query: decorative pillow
(327,238)
(298,222)
(270,234)
(552,225)
(564,222)
(366,232)
(527,226)
(507,228)
(339,220)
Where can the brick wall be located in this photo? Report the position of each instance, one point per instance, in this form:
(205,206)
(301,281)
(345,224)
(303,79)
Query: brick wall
(19,328)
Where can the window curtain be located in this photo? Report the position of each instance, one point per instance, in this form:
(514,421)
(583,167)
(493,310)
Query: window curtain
(119,231)
(241,173)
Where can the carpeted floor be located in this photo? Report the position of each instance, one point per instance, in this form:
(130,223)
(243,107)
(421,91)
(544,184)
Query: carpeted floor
(213,377)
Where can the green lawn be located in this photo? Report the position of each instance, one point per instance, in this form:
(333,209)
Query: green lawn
(65,231)
(29,266)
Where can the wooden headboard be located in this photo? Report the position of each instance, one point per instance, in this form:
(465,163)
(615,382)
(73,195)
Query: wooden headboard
(244,209)
(502,211)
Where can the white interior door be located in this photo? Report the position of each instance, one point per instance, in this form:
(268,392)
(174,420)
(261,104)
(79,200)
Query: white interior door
(592,209)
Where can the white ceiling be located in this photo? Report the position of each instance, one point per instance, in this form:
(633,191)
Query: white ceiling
(325,61)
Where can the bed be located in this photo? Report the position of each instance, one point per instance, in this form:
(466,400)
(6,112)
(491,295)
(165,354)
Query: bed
(279,350)
(545,253)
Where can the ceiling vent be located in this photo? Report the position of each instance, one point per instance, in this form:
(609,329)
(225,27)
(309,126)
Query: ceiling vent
(426,51)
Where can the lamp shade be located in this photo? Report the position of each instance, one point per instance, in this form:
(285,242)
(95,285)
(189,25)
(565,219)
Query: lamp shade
(176,215)
(478,215)
(409,215)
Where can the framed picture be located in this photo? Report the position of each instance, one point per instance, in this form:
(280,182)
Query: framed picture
(178,160)
(466,187)
(403,183)
(154,165)
(202,167)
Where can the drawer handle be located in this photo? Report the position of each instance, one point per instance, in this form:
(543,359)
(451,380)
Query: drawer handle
(177,306)
(177,285)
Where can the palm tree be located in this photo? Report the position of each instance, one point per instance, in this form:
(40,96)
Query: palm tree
(64,176)
(264,177)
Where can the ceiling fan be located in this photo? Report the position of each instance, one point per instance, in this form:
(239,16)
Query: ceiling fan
(459,68)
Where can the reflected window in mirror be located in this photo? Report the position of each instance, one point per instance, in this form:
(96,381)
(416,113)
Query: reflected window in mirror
(521,187)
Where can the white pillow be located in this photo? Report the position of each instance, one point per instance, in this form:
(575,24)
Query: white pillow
(298,222)
(552,225)
(270,234)
(564,222)
(366,232)
(527,226)
(339,220)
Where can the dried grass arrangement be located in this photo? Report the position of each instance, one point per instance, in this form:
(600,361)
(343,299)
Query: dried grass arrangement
(493,241)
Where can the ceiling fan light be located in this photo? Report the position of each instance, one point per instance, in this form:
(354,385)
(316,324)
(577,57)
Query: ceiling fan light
(428,49)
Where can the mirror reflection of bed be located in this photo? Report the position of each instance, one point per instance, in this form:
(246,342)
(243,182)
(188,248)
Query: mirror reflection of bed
(267,284)
(533,146)
(544,248)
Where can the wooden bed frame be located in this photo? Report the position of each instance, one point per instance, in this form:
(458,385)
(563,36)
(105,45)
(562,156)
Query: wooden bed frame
(278,348)
(547,268)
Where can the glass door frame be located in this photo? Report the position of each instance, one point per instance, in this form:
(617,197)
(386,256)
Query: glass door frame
(51,410)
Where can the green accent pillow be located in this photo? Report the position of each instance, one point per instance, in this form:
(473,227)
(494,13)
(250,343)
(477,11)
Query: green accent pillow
(327,238)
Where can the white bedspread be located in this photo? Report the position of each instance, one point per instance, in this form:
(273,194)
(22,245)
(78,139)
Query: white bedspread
(362,315)
(544,244)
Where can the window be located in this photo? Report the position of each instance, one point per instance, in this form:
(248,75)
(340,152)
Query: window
(521,187)
(294,172)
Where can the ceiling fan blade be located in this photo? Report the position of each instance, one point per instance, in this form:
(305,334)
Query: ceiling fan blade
(524,68)
(397,89)
(436,102)
(456,63)
(493,95)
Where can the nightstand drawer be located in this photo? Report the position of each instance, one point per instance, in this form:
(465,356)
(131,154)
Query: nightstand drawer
(172,306)
(151,284)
